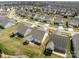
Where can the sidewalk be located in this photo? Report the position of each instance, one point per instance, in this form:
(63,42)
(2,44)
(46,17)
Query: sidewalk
(13,56)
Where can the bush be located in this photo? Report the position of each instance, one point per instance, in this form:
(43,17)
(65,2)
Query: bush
(12,35)
(65,16)
(48,52)
(26,42)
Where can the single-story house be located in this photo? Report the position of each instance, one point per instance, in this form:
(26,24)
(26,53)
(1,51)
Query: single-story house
(58,20)
(50,11)
(54,11)
(70,28)
(58,43)
(21,12)
(69,13)
(37,17)
(37,36)
(74,21)
(6,22)
(45,10)
(47,19)
(30,16)
(23,31)
(3,11)
(75,41)
(62,11)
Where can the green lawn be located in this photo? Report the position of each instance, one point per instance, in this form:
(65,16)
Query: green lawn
(76,29)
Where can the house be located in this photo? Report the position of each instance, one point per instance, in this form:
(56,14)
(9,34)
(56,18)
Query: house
(23,30)
(58,44)
(54,11)
(70,28)
(62,11)
(30,16)
(37,17)
(58,11)
(68,13)
(60,28)
(47,19)
(50,11)
(2,11)
(6,22)
(8,9)
(74,21)
(58,20)
(37,36)
(45,9)
(21,12)
(75,41)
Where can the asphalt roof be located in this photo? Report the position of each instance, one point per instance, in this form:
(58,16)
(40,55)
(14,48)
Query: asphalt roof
(23,29)
(74,22)
(37,34)
(46,18)
(5,20)
(60,42)
(75,40)
(58,19)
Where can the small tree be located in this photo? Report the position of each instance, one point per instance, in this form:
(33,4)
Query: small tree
(0,53)
(26,42)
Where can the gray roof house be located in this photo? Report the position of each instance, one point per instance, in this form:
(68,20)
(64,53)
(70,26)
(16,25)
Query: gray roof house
(6,22)
(58,20)
(69,13)
(23,30)
(37,17)
(21,12)
(58,43)
(30,16)
(37,36)
(50,10)
(45,9)
(70,27)
(47,19)
(74,21)
(62,11)
(54,11)
(75,40)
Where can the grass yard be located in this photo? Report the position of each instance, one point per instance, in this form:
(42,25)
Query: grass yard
(14,46)
(76,29)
